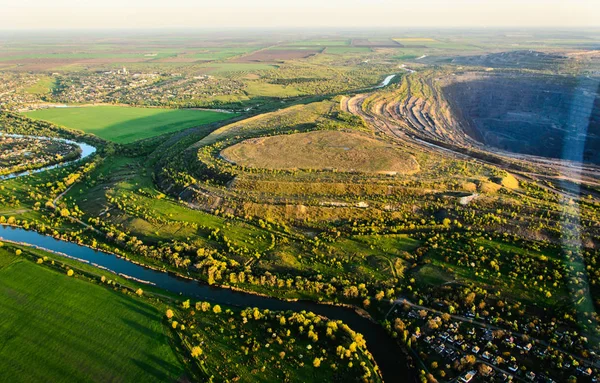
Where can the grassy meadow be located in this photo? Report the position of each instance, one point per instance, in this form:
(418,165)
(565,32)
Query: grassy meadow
(127,124)
(57,328)
(42,86)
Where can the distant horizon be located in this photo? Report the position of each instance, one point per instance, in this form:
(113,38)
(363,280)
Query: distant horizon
(305,30)
(273,14)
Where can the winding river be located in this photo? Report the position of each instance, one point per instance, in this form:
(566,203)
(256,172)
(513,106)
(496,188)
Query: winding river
(385,350)
(86,151)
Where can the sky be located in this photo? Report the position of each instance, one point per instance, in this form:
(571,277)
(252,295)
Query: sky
(200,14)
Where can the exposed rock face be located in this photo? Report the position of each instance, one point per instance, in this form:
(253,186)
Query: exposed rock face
(550,116)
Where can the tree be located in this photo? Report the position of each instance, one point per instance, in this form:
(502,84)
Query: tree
(204,306)
(432,324)
(169,314)
(217,309)
(18,252)
(139,292)
(484,369)
(317,362)
(186,304)
(469,299)
(196,352)
(70,273)
(399,325)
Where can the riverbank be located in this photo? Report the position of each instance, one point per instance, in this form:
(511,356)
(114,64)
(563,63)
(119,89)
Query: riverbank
(386,352)
(86,151)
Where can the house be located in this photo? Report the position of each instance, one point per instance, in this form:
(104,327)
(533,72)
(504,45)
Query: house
(486,355)
(584,371)
(466,378)
(513,368)
(475,349)
(489,335)
(530,375)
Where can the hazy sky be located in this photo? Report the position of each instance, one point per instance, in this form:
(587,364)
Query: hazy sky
(67,14)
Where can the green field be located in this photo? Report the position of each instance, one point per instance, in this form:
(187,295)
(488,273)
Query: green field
(271,90)
(56,328)
(221,53)
(219,68)
(124,124)
(42,86)
(325,42)
(341,50)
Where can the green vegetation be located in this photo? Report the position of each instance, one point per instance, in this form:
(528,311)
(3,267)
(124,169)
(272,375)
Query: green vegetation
(323,187)
(43,86)
(226,67)
(271,90)
(267,346)
(124,341)
(341,50)
(219,53)
(127,124)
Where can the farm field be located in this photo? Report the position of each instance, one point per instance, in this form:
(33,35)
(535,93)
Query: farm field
(125,342)
(277,55)
(224,68)
(127,124)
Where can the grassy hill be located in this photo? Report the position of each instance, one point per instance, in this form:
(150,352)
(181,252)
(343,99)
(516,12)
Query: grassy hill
(321,150)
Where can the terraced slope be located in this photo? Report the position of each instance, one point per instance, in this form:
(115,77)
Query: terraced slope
(549,116)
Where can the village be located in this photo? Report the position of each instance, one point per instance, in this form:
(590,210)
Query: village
(471,346)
